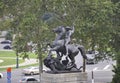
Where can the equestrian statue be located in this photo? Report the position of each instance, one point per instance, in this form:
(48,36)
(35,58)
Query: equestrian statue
(62,46)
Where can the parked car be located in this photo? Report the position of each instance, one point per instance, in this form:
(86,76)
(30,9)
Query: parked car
(91,57)
(7,47)
(29,80)
(1,75)
(31,70)
(6,42)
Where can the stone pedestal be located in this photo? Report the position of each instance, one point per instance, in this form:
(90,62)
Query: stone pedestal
(77,77)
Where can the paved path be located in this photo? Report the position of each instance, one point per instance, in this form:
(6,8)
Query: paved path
(27,62)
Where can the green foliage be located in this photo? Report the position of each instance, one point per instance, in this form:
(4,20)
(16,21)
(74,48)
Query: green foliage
(116,41)
(117,75)
(96,22)
(116,70)
(1,8)
(8,36)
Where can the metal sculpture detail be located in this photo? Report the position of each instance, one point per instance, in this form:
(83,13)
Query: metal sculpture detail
(62,46)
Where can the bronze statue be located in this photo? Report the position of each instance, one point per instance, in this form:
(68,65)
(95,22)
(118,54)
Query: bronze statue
(62,46)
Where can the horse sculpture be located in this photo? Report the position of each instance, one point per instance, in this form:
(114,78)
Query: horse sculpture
(69,50)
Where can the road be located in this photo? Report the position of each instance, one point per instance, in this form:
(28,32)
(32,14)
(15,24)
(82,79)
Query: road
(16,76)
(102,70)
(102,73)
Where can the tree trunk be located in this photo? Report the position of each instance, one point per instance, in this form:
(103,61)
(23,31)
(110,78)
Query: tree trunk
(116,77)
(40,61)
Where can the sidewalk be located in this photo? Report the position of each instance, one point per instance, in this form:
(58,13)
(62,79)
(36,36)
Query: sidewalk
(27,62)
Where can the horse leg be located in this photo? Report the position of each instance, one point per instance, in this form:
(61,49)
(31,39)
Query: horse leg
(82,50)
(72,63)
(72,58)
(67,51)
(52,67)
(58,55)
(49,53)
(52,49)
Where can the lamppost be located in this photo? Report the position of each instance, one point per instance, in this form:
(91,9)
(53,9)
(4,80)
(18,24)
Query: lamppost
(16,48)
(17,60)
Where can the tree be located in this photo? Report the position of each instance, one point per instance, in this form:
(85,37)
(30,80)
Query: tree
(116,41)
(96,22)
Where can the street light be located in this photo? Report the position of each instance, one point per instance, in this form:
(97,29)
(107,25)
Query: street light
(17,61)
(17,58)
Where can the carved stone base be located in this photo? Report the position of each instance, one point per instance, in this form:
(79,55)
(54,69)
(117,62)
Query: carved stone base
(76,77)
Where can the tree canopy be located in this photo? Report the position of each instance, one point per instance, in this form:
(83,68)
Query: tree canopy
(96,22)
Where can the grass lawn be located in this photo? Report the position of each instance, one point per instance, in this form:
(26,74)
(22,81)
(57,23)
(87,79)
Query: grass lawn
(9,61)
(9,58)
(12,54)
(7,54)
(4,69)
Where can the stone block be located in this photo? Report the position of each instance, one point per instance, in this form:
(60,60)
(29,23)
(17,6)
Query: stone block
(77,77)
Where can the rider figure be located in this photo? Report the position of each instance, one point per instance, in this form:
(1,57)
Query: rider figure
(69,32)
(63,33)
